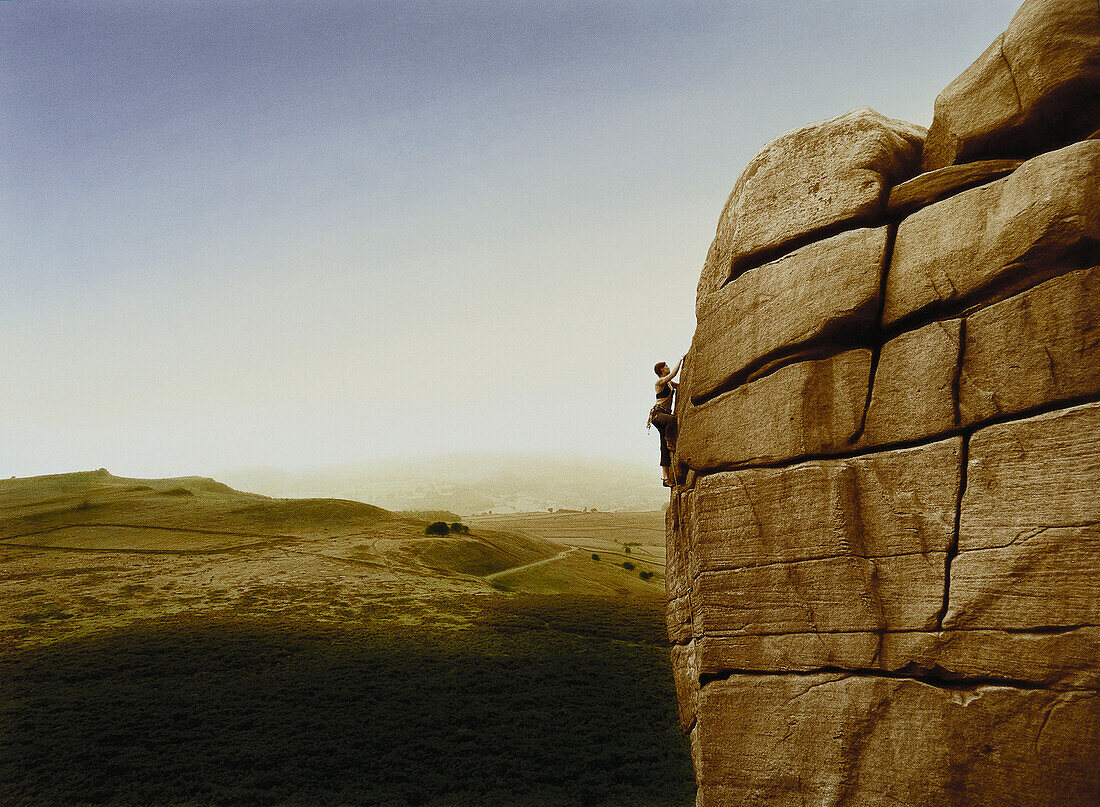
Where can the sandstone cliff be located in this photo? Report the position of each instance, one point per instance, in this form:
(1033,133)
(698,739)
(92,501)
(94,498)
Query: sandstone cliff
(884,549)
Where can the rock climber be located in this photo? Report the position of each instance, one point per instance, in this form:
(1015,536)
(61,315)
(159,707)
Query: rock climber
(661,416)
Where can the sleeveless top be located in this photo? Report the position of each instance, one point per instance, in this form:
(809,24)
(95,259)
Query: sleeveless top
(665,393)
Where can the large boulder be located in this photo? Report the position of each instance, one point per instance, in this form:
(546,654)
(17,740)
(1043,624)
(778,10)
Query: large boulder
(834,173)
(1036,88)
(884,541)
(823,291)
(807,408)
(1041,220)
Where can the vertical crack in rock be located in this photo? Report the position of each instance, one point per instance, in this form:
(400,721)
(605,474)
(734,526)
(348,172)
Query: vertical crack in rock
(877,331)
(953,548)
(964,456)
(1011,77)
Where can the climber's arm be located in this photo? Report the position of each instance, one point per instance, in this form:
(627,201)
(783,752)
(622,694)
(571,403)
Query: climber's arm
(672,373)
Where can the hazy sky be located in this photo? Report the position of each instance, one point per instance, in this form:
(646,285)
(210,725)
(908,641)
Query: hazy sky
(305,233)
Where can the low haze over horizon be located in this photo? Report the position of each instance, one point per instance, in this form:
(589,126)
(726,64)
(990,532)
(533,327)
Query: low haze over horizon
(298,235)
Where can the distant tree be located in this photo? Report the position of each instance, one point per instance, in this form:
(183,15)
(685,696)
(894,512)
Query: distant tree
(437,528)
(628,566)
(626,549)
(458,526)
(595,556)
(645,575)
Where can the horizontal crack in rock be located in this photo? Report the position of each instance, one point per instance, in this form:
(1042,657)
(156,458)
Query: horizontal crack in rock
(934,676)
(1035,411)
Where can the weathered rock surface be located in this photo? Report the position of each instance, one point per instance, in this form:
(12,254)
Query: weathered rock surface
(1038,347)
(1037,87)
(1041,220)
(807,408)
(890,503)
(884,547)
(677,546)
(913,394)
(1033,349)
(1067,659)
(819,291)
(932,186)
(678,619)
(1029,531)
(832,738)
(847,593)
(685,672)
(804,181)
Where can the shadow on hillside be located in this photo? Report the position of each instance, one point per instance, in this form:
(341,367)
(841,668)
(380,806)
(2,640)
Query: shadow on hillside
(184,713)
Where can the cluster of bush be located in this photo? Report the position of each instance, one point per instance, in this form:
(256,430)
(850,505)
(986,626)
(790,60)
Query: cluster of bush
(443,528)
(644,574)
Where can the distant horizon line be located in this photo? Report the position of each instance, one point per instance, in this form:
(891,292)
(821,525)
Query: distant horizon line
(450,455)
(352,464)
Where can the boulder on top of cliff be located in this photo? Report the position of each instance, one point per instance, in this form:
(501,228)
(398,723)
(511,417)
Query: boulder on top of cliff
(808,180)
(1036,88)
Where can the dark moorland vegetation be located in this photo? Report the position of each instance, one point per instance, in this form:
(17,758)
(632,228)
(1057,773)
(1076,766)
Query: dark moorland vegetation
(541,701)
(443,528)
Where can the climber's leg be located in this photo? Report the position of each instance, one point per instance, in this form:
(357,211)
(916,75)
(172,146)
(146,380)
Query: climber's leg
(666,426)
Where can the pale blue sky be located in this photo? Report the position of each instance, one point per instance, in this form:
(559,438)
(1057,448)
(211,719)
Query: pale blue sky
(299,234)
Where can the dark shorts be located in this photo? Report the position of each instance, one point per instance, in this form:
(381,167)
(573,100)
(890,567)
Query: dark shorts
(666,425)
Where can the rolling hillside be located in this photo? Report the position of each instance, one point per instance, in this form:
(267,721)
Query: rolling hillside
(89,549)
(175,641)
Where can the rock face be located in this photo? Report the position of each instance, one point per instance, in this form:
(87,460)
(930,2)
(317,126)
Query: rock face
(806,181)
(1038,221)
(884,550)
(1036,88)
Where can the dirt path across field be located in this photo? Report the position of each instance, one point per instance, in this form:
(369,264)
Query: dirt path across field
(514,569)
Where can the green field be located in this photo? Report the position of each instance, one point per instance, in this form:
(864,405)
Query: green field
(220,648)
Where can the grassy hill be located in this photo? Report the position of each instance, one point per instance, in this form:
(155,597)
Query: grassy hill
(102,549)
(88,550)
(599,553)
(178,642)
(95,510)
